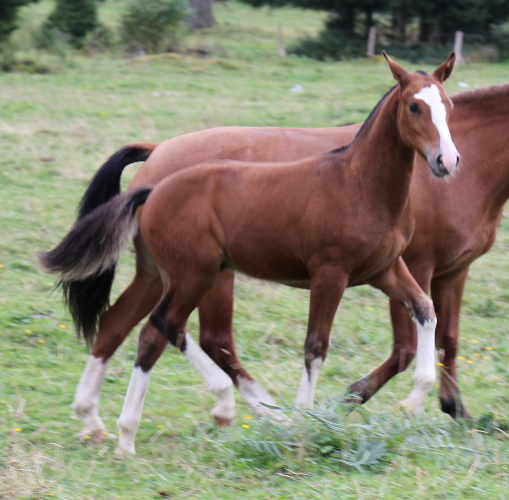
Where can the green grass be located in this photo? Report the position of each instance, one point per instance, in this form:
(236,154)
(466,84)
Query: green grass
(55,130)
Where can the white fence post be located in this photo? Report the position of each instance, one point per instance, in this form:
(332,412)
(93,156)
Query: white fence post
(458,44)
(371,41)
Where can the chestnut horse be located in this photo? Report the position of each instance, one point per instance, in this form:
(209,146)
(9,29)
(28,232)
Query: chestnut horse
(324,223)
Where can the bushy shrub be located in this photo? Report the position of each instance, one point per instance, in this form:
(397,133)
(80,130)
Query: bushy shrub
(73,18)
(153,25)
(100,40)
(331,44)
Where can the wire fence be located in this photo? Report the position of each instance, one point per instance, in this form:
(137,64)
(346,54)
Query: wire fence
(469,47)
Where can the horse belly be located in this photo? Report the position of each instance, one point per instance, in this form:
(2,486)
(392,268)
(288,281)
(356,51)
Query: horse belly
(269,262)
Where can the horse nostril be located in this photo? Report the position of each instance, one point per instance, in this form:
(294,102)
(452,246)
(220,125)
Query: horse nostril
(440,163)
(457,161)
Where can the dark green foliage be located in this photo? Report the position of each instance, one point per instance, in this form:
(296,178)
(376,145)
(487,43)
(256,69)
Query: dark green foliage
(349,21)
(152,25)
(330,45)
(8,16)
(73,18)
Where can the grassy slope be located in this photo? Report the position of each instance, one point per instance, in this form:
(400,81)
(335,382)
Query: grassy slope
(79,115)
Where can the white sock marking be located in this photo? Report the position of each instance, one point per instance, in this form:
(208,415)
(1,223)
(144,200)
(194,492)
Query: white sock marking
(254,394)
(431,96)
(306,395)
(216,379)
(130,417)
(425,373)
(86,398)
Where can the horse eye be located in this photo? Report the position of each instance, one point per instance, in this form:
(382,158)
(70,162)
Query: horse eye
(414,108)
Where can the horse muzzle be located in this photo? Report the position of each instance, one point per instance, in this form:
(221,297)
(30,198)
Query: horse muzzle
(445,162)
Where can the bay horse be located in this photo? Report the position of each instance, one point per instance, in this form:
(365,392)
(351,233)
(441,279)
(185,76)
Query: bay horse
(323,223)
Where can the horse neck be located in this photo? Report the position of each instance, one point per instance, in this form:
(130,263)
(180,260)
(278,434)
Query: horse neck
(484,120)
(380,160)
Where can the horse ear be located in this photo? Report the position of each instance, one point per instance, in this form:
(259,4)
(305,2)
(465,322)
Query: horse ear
(398,72)
(445,69)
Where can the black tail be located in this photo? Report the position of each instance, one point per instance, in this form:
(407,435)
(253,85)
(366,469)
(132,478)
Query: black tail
(106,182)
(86,256)
(87,299)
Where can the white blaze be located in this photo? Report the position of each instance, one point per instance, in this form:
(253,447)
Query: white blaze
(431,96)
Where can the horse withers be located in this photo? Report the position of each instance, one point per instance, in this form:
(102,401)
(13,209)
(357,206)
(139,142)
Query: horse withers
(323,223)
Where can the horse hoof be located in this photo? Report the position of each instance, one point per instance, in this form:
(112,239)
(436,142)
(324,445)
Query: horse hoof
(222,422)
(409,406)
(357,393)
(124,451)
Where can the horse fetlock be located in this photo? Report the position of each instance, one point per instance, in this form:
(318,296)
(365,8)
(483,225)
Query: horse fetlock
(255,395)
(93,426)
(357,392)
(224,411)
(124,448)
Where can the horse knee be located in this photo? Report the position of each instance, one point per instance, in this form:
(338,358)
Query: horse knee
(423,311)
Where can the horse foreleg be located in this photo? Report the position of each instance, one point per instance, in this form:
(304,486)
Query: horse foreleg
(447,293)
(132,306)
(216,339)
(403,350)
(327,287)
(398,284)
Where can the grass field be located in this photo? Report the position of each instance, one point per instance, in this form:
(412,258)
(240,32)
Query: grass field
(55,130)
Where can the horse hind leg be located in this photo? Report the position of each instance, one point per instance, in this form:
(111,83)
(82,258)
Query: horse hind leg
(150,347)
(132,306)
(447,293)
(403,352)
(169,319)
(399,284)
(216,339)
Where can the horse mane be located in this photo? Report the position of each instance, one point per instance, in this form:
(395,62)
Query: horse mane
(366,122)
(484,93)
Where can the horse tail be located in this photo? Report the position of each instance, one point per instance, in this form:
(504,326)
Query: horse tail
(88,299)
(88,254)
(106,182)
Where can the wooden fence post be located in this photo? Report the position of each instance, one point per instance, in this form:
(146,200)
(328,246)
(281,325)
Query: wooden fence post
(371,41)
(280,45)
(458,44)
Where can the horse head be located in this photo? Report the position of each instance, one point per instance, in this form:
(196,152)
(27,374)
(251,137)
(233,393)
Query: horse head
(423,113)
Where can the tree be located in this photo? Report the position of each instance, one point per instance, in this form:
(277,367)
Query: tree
(8,16)
(202,16)
(75,18)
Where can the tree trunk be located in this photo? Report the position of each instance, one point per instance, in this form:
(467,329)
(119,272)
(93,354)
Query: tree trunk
(202,16)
